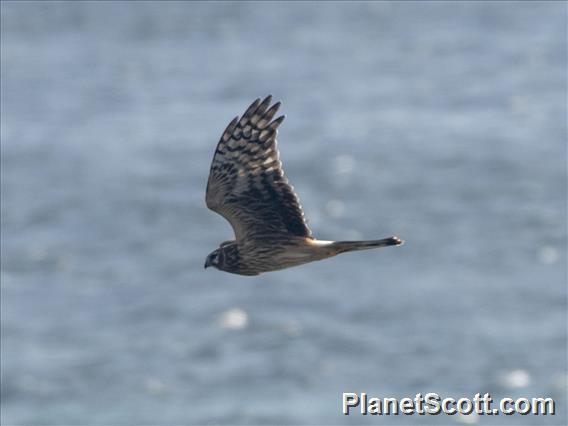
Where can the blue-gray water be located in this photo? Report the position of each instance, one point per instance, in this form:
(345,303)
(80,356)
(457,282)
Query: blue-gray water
(444,123)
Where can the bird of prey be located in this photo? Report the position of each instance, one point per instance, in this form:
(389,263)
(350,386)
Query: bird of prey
(247,186)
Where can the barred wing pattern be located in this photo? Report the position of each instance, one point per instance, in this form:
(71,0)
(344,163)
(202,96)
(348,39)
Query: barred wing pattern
(247,185)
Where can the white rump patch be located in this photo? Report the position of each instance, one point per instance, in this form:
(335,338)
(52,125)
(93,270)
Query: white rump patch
(321,243)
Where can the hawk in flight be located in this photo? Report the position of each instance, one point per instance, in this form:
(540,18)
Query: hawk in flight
(247,186)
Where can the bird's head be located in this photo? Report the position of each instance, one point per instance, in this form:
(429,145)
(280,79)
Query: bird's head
(215,258)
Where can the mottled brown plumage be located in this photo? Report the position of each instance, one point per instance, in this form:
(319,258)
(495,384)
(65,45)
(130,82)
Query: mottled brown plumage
(247,186)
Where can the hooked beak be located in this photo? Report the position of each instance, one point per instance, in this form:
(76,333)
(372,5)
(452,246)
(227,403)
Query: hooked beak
(207,264)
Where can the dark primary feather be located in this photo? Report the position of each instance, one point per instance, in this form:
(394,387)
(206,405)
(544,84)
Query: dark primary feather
(246,183)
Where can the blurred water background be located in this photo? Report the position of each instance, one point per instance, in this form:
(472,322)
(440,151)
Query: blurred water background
(444,123)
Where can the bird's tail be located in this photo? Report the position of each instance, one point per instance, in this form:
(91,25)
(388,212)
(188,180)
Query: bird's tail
(345,246)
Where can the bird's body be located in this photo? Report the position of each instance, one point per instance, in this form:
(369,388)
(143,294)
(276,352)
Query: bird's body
(252,257)
(248,187)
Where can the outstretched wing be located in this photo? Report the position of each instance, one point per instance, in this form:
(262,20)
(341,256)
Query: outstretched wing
(246,183)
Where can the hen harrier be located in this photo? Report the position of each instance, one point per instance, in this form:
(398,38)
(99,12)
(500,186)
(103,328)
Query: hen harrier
(247,186)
